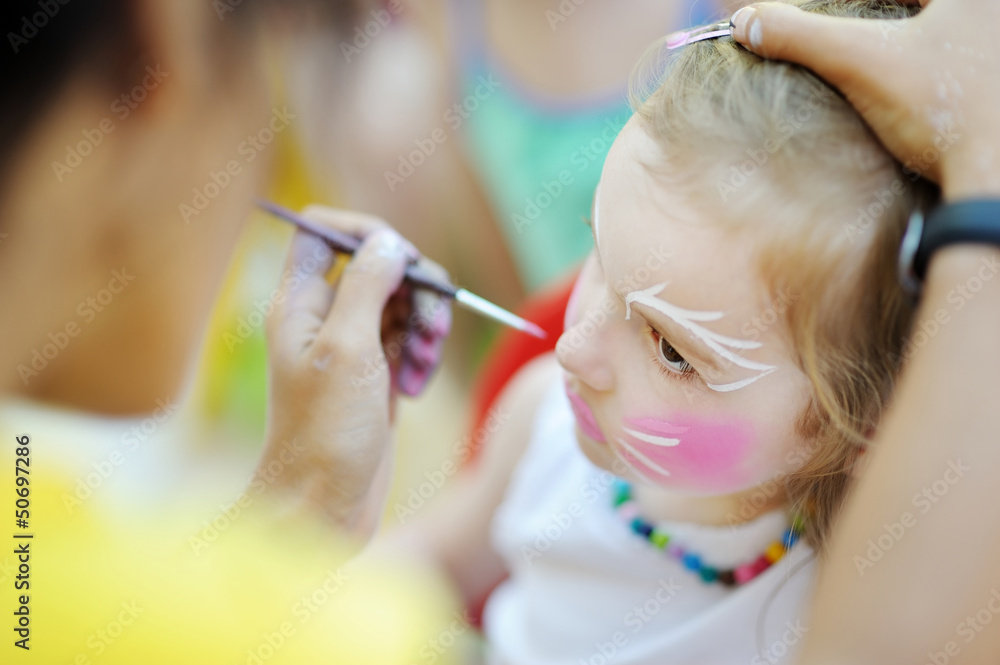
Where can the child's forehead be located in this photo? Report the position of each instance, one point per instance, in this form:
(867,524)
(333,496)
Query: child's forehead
(633,148)
(651,228)
(699,280)
(708,266)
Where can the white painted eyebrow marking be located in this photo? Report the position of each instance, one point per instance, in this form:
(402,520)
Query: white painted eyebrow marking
(686,319)
(736,385)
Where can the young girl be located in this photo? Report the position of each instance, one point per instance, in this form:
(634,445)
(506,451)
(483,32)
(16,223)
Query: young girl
(660,495)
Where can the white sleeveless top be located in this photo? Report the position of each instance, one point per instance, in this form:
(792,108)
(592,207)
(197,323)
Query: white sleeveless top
(585,590)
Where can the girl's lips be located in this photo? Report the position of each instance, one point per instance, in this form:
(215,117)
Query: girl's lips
(584,417)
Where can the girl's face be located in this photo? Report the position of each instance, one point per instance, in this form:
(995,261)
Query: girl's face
(677,364)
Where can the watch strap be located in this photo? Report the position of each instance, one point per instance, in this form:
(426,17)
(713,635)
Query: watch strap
(972,221)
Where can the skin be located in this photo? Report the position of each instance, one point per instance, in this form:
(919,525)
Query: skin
(728,442)
(945,404)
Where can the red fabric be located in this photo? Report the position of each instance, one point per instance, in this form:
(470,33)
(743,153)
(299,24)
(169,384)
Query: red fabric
(514,349)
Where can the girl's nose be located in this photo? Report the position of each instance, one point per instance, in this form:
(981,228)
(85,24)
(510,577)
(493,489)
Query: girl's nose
(582,351)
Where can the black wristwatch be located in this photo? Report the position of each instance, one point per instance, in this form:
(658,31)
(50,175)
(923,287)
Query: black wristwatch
(972,221)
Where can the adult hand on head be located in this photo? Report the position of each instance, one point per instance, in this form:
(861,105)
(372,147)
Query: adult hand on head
(339,353)
(928,86)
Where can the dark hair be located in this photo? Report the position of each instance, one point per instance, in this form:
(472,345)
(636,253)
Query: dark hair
(45,41)
(48,41)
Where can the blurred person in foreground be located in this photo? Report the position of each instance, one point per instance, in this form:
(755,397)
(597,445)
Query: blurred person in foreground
(134,139)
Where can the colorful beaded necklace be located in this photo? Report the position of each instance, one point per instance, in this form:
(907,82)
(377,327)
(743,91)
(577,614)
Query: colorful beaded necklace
(629,511)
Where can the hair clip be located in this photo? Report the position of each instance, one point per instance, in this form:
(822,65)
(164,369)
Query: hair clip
(681,38)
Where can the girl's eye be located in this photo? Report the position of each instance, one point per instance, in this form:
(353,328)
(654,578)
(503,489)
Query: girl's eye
(673,360)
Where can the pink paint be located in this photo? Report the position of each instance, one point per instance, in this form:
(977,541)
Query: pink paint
(678,39)
(628,510)
(423,344)
(584,417)
(688,452)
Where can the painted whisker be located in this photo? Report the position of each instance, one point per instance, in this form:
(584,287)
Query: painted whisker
(651,438)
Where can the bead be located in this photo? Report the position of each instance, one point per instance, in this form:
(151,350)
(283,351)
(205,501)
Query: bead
(691,561)
(745,573)
(748,571)
(659,539)
(622,493)
(629,511)
(760,565)
(641,527)
(774,551)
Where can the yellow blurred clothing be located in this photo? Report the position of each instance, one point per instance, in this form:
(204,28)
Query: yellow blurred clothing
(134,559)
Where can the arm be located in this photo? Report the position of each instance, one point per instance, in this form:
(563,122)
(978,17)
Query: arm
(912,604)
(943,425)
(452,533)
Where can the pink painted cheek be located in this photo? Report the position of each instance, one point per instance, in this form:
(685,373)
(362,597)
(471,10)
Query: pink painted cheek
(695,453)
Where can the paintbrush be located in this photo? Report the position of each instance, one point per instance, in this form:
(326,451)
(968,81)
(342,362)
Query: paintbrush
(348,244)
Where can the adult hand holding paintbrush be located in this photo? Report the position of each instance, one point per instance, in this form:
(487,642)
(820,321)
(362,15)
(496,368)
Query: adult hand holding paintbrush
(338,354)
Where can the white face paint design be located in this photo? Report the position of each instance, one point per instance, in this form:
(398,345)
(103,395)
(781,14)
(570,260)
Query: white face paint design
(652,438)
(597,206)
(687,318)
(645,460)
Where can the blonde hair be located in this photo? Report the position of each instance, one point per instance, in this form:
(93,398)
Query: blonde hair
(785,150)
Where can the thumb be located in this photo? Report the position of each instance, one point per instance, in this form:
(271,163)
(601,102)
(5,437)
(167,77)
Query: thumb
(838,49)
(371,277)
